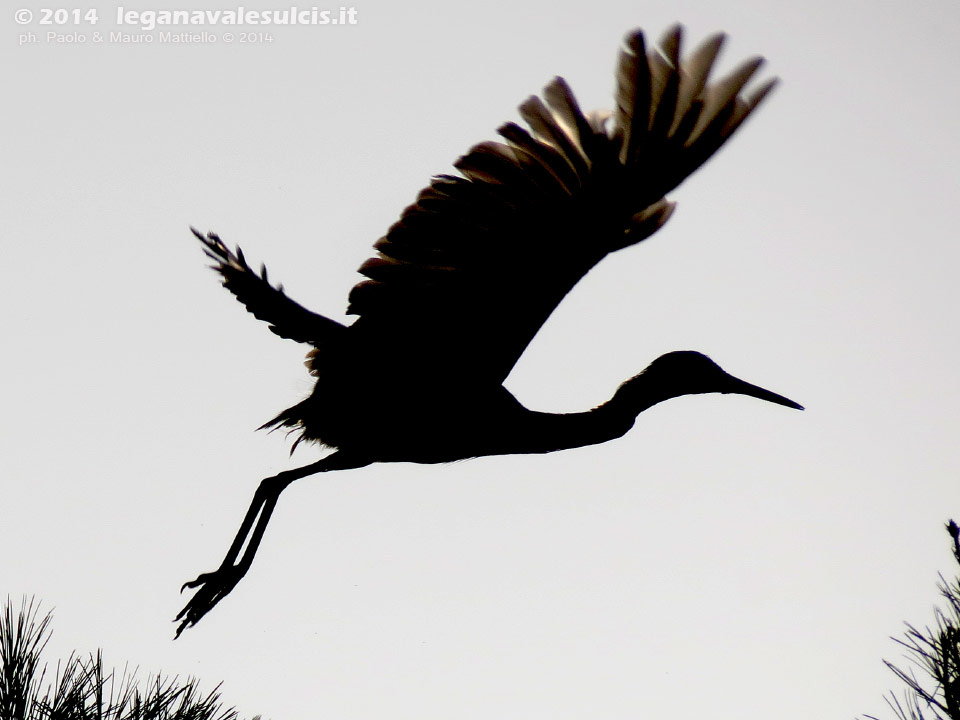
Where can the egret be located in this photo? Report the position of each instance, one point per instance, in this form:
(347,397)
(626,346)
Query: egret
(462,282)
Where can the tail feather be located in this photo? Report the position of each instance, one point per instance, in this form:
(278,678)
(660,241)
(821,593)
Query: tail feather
(291,422)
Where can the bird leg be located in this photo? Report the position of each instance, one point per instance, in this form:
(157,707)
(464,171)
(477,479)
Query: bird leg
(216,585)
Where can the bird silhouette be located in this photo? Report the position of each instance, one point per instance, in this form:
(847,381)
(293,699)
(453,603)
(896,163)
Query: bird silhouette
(462,282)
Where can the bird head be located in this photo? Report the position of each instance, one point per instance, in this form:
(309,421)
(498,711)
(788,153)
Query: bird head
(687,372)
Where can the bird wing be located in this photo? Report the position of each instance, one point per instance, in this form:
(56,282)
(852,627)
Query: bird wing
(287,318)
(471,271)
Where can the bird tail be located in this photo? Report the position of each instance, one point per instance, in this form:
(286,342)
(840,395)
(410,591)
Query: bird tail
(291,421)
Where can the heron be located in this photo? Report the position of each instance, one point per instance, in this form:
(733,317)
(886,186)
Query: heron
(463,281)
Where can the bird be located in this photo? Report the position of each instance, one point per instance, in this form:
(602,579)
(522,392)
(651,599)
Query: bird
(463,281)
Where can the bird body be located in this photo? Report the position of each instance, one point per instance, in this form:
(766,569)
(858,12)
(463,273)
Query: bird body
(405,422)
(464,280)
(413,424)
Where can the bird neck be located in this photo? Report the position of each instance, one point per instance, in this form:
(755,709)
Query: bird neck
(540,432)
(549,432)
(605,422)
(637,394)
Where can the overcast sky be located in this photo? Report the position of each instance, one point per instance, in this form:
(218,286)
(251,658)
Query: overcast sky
(727,559)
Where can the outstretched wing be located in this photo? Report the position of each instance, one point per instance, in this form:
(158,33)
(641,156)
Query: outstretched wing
(287,318)
(471,271)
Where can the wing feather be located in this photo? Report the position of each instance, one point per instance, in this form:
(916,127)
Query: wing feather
(553,170)
(287,318)
(547,129)
(693,78)
(631,117)
(567,112)
(664,65)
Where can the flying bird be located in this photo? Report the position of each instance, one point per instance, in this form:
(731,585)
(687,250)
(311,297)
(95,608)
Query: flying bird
(462,282)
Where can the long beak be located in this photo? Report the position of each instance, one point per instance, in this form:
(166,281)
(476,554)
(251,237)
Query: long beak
(740,387)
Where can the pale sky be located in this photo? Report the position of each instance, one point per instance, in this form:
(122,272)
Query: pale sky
(728,558)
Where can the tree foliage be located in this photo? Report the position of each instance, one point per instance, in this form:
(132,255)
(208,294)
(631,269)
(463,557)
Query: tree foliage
(80,688)
(933,693)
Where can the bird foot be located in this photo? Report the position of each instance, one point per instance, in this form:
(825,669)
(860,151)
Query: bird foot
(213,587)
